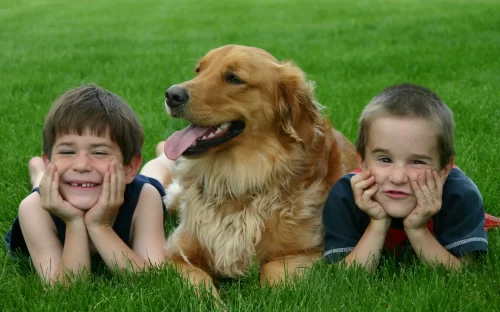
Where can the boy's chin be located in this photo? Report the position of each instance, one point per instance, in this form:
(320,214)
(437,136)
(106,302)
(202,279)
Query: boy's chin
(83,208)
(398,213)
(83,205)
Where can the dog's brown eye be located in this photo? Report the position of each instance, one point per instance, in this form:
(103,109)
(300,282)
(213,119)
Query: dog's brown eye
(233,79)
(197,70)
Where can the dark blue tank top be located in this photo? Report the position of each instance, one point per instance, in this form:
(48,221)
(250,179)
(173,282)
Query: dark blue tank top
(123,223)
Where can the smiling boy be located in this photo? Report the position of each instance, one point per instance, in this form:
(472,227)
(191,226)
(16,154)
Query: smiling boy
(90,197)
(407,189)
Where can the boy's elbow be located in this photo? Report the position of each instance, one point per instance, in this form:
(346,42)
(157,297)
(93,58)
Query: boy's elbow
(27,206)
(65,277)
(467,259)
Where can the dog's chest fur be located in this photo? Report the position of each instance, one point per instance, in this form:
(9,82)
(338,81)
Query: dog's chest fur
(228,232)
(228,229)
(233,233)
(240,211)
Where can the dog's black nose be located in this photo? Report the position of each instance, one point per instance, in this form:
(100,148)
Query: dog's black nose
(176,96)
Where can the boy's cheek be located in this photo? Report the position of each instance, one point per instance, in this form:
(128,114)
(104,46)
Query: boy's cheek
(377,172)
(104,164)
(378,176)
(413,174)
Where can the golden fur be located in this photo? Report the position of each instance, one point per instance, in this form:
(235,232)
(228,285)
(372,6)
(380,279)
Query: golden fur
(260,195)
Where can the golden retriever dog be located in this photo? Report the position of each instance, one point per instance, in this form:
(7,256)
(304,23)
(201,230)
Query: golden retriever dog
(253,168)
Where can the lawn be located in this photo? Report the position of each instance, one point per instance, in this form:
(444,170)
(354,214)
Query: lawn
(352,49)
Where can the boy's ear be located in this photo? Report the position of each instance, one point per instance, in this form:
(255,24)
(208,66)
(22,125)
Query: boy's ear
(131,170)
(361,162)
(46,160)
(447,168)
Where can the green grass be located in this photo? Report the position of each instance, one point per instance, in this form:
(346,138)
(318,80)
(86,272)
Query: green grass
(352,49)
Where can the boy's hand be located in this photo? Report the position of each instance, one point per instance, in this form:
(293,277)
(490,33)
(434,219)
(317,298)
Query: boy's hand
(105,210)
(364,188)
(52,201)
(428,190)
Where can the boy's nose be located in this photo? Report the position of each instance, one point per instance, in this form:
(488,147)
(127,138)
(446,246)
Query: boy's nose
(82,163)
(398,175)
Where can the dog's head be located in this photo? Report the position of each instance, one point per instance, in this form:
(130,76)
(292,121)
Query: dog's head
(240,94)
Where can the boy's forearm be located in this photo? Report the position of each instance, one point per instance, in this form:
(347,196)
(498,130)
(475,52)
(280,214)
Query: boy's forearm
(429,250)
(114,251)
(75,259)
(368,250)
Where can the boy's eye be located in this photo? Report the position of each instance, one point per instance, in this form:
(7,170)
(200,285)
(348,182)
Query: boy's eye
(66,152)
(418,162)
(100,153)
(384,159)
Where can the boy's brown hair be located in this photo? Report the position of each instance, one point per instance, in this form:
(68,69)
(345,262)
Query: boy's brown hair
(410,101)
(97,110)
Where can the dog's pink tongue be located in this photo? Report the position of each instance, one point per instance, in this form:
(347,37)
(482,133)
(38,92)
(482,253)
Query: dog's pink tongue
(181,140)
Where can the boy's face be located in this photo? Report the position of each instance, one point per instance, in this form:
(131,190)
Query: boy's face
(397,152)
(82,162)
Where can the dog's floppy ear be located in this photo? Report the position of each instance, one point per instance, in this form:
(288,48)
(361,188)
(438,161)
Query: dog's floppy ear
(297,110)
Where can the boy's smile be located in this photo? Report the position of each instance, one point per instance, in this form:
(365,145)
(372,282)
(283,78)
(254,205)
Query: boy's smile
(82,162)
(397,152)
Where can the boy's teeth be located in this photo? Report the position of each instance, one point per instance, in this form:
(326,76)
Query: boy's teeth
(83,184)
